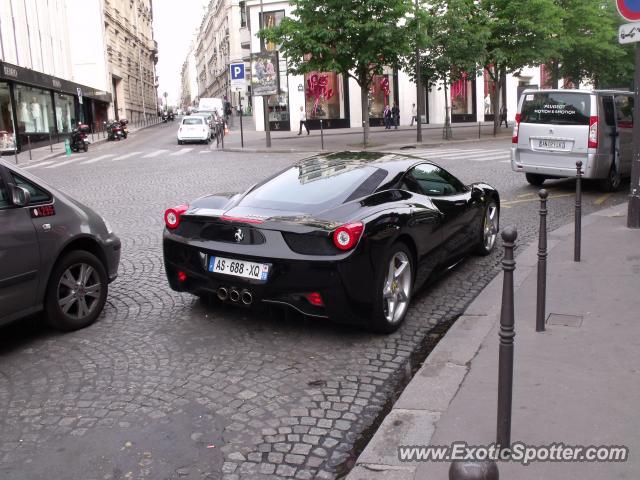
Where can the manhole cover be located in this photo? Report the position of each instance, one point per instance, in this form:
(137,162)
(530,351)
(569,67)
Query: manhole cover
(564,320)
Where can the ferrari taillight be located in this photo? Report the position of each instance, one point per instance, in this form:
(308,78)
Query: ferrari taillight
(347,236)
(172,216)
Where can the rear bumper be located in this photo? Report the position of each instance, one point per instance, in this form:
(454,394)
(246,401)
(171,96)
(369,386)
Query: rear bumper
(345,288)
(592,164)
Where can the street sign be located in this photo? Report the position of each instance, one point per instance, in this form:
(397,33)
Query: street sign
(629,9)
(236,71)
(629,33)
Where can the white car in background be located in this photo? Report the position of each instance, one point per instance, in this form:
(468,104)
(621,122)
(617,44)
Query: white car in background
(194,129)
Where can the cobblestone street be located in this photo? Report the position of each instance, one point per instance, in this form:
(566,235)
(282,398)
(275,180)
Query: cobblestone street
(165,386)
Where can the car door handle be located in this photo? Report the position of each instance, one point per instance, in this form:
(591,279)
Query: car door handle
(460,203)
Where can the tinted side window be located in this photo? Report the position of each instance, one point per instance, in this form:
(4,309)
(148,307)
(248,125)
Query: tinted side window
(38,195)
(4,195)
(432,181)
(557,108)
(624,111)
(609,114)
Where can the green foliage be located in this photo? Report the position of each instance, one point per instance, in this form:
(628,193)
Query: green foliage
(353,38)
(590,48)
(454,36)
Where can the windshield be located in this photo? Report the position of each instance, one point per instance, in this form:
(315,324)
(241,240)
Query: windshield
(558,108)
(311,188)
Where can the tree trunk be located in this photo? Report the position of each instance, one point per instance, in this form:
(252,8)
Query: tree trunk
(555,74)
(446,133)
(494,95)
(364,99)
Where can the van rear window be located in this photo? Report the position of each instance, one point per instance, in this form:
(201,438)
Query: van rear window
(557,108)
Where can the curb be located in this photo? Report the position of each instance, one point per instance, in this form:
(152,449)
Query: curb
(414,417)
(386,147)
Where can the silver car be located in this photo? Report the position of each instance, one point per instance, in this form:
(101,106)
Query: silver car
(556,128)
(56,255)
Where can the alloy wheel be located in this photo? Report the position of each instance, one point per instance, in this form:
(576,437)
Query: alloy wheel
(490,227)
(78,291)
(397,287)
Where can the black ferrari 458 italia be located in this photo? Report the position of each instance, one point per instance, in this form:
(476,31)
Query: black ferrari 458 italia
(347,236)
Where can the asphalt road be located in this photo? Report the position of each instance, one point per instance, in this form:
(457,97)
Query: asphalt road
(165,386)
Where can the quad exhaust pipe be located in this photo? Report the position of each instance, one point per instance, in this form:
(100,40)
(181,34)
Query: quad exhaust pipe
(223,293)
(235,295)
(247,297)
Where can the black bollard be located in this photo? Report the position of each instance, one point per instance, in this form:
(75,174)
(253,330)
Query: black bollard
(542,263)
(578,222)
(29,144)
(321,136)
(507,333)
(484,470)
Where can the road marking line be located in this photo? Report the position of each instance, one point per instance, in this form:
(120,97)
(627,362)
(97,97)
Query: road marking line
(472,153)
(602,199)
(508,204)
(97,159)
(205,151)
(41,164)
(525,195)
(128,155)
(155,154)
(180,152)
(62,163)
(505,161)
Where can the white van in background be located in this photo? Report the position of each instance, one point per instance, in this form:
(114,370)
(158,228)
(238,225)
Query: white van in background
(556,128)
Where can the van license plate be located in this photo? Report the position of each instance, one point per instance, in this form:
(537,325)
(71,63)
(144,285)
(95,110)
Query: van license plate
(552,144)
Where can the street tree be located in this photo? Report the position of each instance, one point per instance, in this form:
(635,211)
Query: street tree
(452,45)
(589,48)
(521,33)
(356,39)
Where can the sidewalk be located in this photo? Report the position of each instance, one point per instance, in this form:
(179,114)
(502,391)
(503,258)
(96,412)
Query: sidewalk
(337,139)
(57,149)
(577,383)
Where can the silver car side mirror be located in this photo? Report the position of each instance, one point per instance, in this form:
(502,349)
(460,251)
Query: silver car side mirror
(20,196)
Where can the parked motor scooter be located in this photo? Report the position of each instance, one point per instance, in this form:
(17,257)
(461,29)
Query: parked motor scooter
(79,140)
(123,127)
(114,131)
(164,117)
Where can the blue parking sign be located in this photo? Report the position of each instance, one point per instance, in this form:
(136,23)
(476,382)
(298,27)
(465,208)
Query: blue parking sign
(237,71)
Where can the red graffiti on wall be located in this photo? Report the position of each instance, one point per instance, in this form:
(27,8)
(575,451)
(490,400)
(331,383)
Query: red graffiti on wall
(317,89)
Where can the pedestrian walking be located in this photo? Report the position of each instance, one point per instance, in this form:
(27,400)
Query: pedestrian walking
(503,116)
(303,121)
(386,114)
(414,114)
(395,113)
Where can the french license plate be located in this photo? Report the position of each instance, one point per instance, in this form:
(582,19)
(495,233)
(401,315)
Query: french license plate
(552,144)
(239,268)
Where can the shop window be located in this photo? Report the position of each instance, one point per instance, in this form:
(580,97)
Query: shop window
(7,137)
(243,14)
(462,96)
(323,91)
(34,111)
(65,113)
(381,94)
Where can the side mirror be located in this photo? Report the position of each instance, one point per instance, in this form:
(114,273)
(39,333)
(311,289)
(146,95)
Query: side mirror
(20,196)
(476,193)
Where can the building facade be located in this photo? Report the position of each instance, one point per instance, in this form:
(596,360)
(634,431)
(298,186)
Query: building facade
(46,89)
(223,38)
(189,80)
(336,100)
(132,54)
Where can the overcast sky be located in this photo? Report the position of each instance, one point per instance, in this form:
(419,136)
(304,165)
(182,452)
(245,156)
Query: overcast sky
(173,26)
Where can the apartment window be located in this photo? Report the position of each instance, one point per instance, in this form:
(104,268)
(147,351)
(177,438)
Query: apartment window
(243,14)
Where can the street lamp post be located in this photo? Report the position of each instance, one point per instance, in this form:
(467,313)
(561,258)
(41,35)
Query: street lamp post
(419,92)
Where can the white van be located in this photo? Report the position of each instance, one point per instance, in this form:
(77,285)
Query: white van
(556,128)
